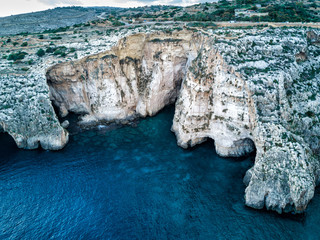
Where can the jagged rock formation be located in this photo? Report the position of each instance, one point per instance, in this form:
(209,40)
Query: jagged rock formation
(26,111)
(256,90)
(234,103)
(262,96)
(214,103)
(27,115)
(138,77)
(286,130)
(243,93)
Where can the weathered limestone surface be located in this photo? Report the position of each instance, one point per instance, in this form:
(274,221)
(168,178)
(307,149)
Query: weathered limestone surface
(26,111)
(213,103)
(138,77)
(254,91)
(258,90)
(27,115)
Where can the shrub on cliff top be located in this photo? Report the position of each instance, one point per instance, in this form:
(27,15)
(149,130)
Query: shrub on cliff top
(49,50)
(40,52)
(17,56)
(117,23)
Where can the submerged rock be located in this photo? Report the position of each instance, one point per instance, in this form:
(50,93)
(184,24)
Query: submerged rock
(65,124)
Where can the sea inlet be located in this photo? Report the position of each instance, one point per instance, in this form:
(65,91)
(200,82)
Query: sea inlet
(135,183)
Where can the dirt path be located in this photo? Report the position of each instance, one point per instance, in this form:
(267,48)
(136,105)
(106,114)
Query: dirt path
(270,24)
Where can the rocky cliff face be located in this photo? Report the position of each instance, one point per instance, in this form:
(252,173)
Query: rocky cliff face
(214,103)
(138,77)
(259,88)
(27,115)
(246,90)
(26,111)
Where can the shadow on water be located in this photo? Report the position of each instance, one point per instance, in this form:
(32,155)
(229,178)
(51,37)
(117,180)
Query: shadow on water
(135,183)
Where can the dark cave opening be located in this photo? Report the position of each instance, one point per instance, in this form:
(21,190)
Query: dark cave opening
(7,144)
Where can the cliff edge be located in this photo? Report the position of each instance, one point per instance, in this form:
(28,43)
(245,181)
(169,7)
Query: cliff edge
(257,91)
(248,90)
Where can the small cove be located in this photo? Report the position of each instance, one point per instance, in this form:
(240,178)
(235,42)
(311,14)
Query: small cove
(135,183)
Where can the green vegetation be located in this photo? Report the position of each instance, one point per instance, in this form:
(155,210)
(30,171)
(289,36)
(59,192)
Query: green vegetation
(310,114)
(292,11)
(61,29)
(24,44)
(117,23)
(17,56)
(49,50)
(61,50)
(253,10)
(40,52)
(313,97)
(201,24)
(56,37)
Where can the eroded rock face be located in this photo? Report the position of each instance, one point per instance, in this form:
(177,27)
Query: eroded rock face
(285,107)
(244,92)
(138,77)
(213,103)
(27,115)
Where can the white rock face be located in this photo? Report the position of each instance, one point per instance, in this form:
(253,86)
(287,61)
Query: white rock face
(246,93)
(284,100)
(213,103)
(138,77)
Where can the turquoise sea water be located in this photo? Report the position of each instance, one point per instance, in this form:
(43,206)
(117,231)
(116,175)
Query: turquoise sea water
(135,183)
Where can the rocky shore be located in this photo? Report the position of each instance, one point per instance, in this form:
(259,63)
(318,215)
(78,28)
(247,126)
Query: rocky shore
(249,90)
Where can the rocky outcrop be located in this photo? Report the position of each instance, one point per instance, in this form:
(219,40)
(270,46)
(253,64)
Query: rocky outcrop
(138,77)
(275,100)
(257,90)
(254,91)
(26,111)
(313,37)
(214,103)
(27,115)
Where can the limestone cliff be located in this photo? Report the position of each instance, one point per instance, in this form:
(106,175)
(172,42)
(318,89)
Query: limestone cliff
(138,77)
(257,88)
(253,91)
(27,115)
(246,89)
(214,103)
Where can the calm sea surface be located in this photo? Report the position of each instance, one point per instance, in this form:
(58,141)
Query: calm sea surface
(135,183)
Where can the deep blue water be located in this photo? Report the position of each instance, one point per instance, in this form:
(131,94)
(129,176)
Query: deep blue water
(135,183)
